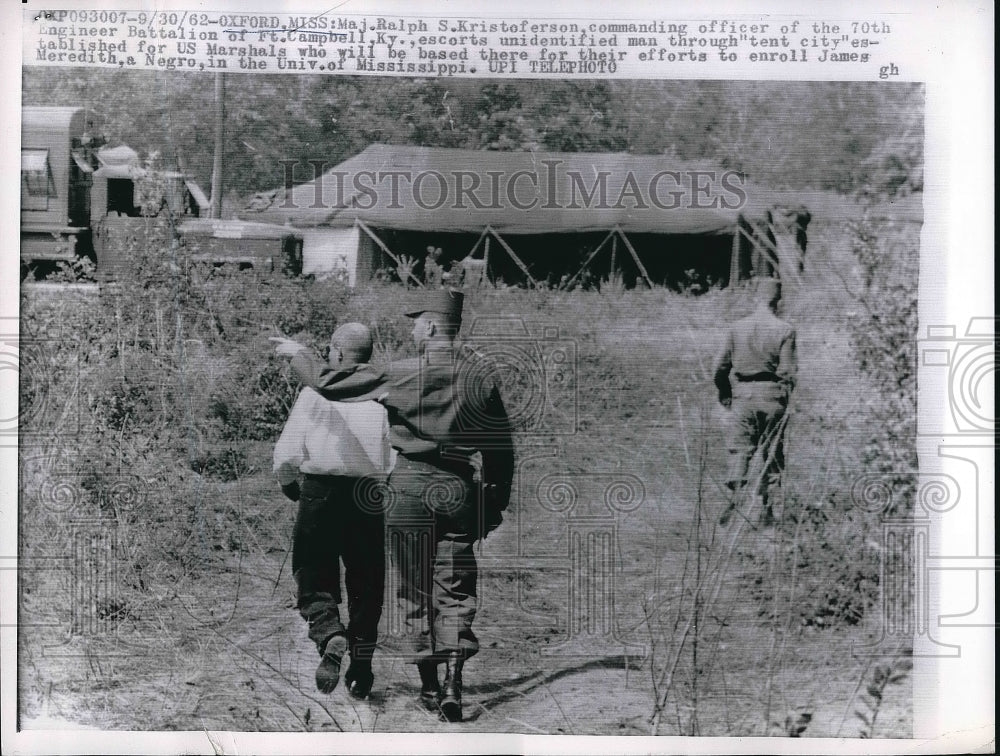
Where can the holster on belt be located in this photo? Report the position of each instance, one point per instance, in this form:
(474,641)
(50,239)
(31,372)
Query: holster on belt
(466,455)
(466,461)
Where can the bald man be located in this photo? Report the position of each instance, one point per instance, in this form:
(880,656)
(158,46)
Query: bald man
(343,453)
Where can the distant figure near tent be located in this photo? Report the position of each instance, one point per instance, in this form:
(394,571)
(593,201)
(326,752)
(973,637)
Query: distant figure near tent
(755,375)
(469,272)
(433,270)
(781,249)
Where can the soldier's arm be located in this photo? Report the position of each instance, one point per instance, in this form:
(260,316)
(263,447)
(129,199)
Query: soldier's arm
(353,384)
(788,365)
(723,365)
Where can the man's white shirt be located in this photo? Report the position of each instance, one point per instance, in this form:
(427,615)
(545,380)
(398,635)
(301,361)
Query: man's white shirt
(322,437)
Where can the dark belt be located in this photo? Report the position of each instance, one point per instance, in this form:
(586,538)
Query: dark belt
(758,378)
(435,458)
(330,479)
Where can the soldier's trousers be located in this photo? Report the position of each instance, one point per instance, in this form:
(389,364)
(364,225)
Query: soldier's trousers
(758,428)
(432,524)
(335,522)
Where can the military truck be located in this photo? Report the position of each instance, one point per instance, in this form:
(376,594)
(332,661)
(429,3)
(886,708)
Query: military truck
(58,159)
(81,198)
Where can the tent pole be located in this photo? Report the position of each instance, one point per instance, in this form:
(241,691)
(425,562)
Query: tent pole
(635,256)
(486,258)
(769,250)
(476,245)
(590,259)
(384,248)
(513,256)
(734,260)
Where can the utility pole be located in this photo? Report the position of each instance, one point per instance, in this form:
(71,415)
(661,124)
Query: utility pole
(220,118)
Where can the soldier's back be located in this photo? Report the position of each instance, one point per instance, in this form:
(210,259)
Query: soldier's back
(446,396)
(757,343)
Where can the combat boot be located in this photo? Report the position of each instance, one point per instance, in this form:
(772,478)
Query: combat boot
(430,688)
(328,671)
(451,694)
(359,678)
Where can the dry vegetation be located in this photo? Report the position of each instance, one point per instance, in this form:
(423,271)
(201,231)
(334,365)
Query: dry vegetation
(155,585)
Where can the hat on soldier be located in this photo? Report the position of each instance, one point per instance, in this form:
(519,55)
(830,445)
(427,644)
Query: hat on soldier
(447,302)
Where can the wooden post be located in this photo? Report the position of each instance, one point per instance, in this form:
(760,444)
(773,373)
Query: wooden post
(734,260)
(614,255)
(220,145)
(597,249)
(486,259)
(384,248)
(475,246)
(635,256)
(513,256)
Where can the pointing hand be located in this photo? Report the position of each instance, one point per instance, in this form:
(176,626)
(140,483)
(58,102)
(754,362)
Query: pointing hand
(285,347)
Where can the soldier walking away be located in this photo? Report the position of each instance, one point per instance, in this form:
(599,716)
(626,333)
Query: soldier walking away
(755,376)
(449,487)
(341,450)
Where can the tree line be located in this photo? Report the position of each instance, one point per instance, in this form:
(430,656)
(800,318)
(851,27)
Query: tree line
(840,136)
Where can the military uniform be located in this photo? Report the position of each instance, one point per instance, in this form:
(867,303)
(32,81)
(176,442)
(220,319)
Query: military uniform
(449,487)
(756,372)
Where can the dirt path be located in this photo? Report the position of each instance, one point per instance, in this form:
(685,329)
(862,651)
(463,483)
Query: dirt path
(229,652)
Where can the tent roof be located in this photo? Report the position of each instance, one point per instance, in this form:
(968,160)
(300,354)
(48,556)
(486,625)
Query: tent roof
(550,181)
(34,118)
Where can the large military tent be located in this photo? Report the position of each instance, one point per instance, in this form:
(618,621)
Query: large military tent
(527,216)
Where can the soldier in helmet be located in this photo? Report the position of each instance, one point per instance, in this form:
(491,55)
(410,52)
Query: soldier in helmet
(450,484)
(755,376)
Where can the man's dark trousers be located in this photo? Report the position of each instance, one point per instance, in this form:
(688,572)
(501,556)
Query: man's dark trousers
(337,521)
(433,523)
(758,413)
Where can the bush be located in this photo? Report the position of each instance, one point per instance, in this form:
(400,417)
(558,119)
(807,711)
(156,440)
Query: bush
(827,547)
(883,332)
